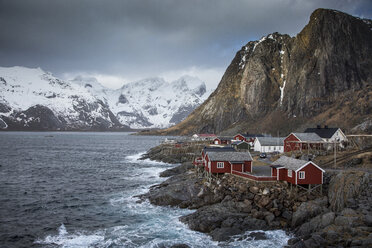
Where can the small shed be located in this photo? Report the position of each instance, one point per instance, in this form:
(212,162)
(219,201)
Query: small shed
(240,145)
(226,162)
(296,171)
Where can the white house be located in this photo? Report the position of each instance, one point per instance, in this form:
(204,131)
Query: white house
(328,134)
(269,144)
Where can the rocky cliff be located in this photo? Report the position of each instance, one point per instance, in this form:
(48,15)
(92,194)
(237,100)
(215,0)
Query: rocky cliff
(323,75)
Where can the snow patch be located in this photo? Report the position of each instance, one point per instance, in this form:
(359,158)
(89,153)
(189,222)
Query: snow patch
(282,92)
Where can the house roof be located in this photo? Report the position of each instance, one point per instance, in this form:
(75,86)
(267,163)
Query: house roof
(224,138)
(247,135)
(238,142)
(308,136)
(271,141)
(219,149)
(289,163)
(230,156)
(325,133)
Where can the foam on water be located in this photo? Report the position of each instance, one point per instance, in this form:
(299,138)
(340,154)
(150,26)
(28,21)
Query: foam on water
(148,225)
(78,240)
(135,158)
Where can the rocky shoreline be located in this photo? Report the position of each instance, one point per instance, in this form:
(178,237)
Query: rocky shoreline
(228,205)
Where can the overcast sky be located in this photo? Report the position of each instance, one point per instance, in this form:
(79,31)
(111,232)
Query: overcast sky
(122,41)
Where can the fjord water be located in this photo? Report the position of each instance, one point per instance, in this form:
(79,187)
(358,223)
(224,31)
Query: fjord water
(78,189)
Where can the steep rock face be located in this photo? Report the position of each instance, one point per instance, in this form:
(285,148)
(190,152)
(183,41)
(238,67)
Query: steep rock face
(321,76)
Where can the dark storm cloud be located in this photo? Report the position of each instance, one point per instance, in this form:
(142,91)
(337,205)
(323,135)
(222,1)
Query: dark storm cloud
(140,38)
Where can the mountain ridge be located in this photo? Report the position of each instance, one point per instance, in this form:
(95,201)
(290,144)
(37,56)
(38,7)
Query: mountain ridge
(32,99)
(281,83)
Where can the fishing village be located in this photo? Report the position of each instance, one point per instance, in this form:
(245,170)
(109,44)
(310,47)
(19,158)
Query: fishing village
(314,184)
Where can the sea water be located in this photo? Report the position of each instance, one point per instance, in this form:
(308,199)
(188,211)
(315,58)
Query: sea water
(78,189)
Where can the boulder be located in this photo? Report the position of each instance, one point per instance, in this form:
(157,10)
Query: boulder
(308,210)
(253,189)
(327,219)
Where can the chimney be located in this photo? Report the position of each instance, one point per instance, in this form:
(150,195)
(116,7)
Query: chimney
(318,126)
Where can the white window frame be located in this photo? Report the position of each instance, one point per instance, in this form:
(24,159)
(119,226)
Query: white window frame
(209,164)
(220,165)
(301,175)
(289,173)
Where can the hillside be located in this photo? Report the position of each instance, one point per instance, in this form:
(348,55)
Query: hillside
(323,75)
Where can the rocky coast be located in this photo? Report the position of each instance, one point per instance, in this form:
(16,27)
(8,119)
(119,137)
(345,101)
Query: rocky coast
(340,216)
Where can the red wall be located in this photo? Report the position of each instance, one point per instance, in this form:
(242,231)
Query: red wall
(238,167)
(240,137)
(312,175)
(283,176)
(288,146)
(274,172)
(226,169)
(248,166)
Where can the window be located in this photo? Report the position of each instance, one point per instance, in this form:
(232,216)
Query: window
(289,173)
(301,175)
(220,165)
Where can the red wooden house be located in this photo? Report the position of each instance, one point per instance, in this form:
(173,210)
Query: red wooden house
(226,162)
(249,138)
(222,140)
(296,171)
(214,149)
(302,141)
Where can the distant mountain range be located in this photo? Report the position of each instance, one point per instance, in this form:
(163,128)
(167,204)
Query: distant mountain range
(279,83)
(32,99)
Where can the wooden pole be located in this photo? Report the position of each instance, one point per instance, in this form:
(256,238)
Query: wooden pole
(334,146)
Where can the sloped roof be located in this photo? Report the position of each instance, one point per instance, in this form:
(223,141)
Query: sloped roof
(247,135)
(289,163)
(219,149)
(224,138)
(308,136)
(325,133)
(230,156)
(271,141)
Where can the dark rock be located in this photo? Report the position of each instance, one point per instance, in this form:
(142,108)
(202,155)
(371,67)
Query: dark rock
(287,215)
(327,219)
(176,170)
(223,234)
(315,241)
(308,210)
(368,220)
(345,221)
(181,188)
(293,241)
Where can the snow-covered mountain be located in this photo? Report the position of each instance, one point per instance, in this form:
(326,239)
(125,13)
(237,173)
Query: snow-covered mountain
(32,99)
(152,102)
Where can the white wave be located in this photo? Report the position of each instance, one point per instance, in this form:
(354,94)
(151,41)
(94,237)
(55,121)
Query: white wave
(135,158)
(64,239)
(275,238)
